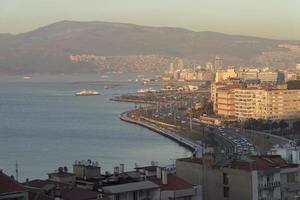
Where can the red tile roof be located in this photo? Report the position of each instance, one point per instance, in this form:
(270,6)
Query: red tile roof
(260,163)
(9,185)
(33,195)
(174,183)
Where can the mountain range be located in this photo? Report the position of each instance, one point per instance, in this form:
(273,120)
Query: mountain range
(85,47)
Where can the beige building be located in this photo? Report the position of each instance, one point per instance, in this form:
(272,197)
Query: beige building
(267,76)
(222,75)
(267,104)
(225,103)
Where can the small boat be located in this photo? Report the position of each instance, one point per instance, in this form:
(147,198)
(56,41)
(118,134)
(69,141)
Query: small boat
(87,93)
(149,90)
(27,77)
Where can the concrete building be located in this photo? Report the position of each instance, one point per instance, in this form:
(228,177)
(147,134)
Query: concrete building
(268,76)
(62,176)
(230,83)
(267,104)
(86,169)
(133,191)
(156,184)
(251,178)
(248,74)
(225,74)
(288,152)
(225,102)
(218,63)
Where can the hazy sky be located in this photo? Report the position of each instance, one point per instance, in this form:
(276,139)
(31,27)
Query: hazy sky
(267,18)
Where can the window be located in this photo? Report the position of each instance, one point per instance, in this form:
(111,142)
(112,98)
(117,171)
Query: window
(291,178)
(226,192)
(225,178)
(135,196)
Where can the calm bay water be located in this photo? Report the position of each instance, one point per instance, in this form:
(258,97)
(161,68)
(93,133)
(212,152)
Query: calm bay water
(44,126)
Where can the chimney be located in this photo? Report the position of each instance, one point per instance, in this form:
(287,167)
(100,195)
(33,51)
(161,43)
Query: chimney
(158,172)
(164,177)
(122,168)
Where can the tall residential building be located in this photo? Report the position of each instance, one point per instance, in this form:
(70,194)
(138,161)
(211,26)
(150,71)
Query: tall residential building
(209,67)
(298,67)
(267,104)
(225,104)
(254,100)
(171,69)
(180,64)
(218,62)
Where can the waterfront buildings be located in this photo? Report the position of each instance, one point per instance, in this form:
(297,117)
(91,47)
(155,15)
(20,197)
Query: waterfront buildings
(267,104)
(86,182)
(234,98)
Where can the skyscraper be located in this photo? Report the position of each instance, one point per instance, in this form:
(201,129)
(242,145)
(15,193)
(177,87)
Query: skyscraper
(180,64)
(218,63)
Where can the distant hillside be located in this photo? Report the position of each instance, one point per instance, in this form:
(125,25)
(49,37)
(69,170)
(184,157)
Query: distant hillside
(48,49)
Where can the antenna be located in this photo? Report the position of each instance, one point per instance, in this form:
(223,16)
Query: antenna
(17,171)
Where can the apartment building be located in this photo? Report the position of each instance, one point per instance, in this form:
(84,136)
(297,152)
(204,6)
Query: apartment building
(230,83)
(224,74)
(252,99)
(225,102)
(268,76)
(250,178)
(267,104)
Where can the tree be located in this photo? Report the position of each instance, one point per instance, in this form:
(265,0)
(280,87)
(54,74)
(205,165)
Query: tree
(296,126)
(283,124)
(274,125)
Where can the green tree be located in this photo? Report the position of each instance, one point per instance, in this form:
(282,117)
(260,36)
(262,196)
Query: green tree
(283,124)
(274,125)
(296,126)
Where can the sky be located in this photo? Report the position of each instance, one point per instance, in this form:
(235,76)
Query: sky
(279,19)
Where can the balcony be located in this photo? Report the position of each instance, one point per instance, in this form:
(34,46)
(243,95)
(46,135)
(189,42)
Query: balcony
(270,185)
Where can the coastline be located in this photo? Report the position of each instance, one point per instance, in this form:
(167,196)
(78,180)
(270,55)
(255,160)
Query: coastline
(187,143)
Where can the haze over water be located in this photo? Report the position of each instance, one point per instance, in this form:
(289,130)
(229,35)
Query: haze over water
(44,126)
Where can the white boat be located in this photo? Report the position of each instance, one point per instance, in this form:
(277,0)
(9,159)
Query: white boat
(146,90)
(87,93)
(27,77)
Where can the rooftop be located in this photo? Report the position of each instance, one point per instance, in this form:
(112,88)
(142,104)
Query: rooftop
(174,183)
(8,184)
(67,192)
(148,168)
(141,185)
(263,162)
(61,174)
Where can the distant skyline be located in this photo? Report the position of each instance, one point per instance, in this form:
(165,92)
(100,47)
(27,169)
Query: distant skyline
(278,19)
